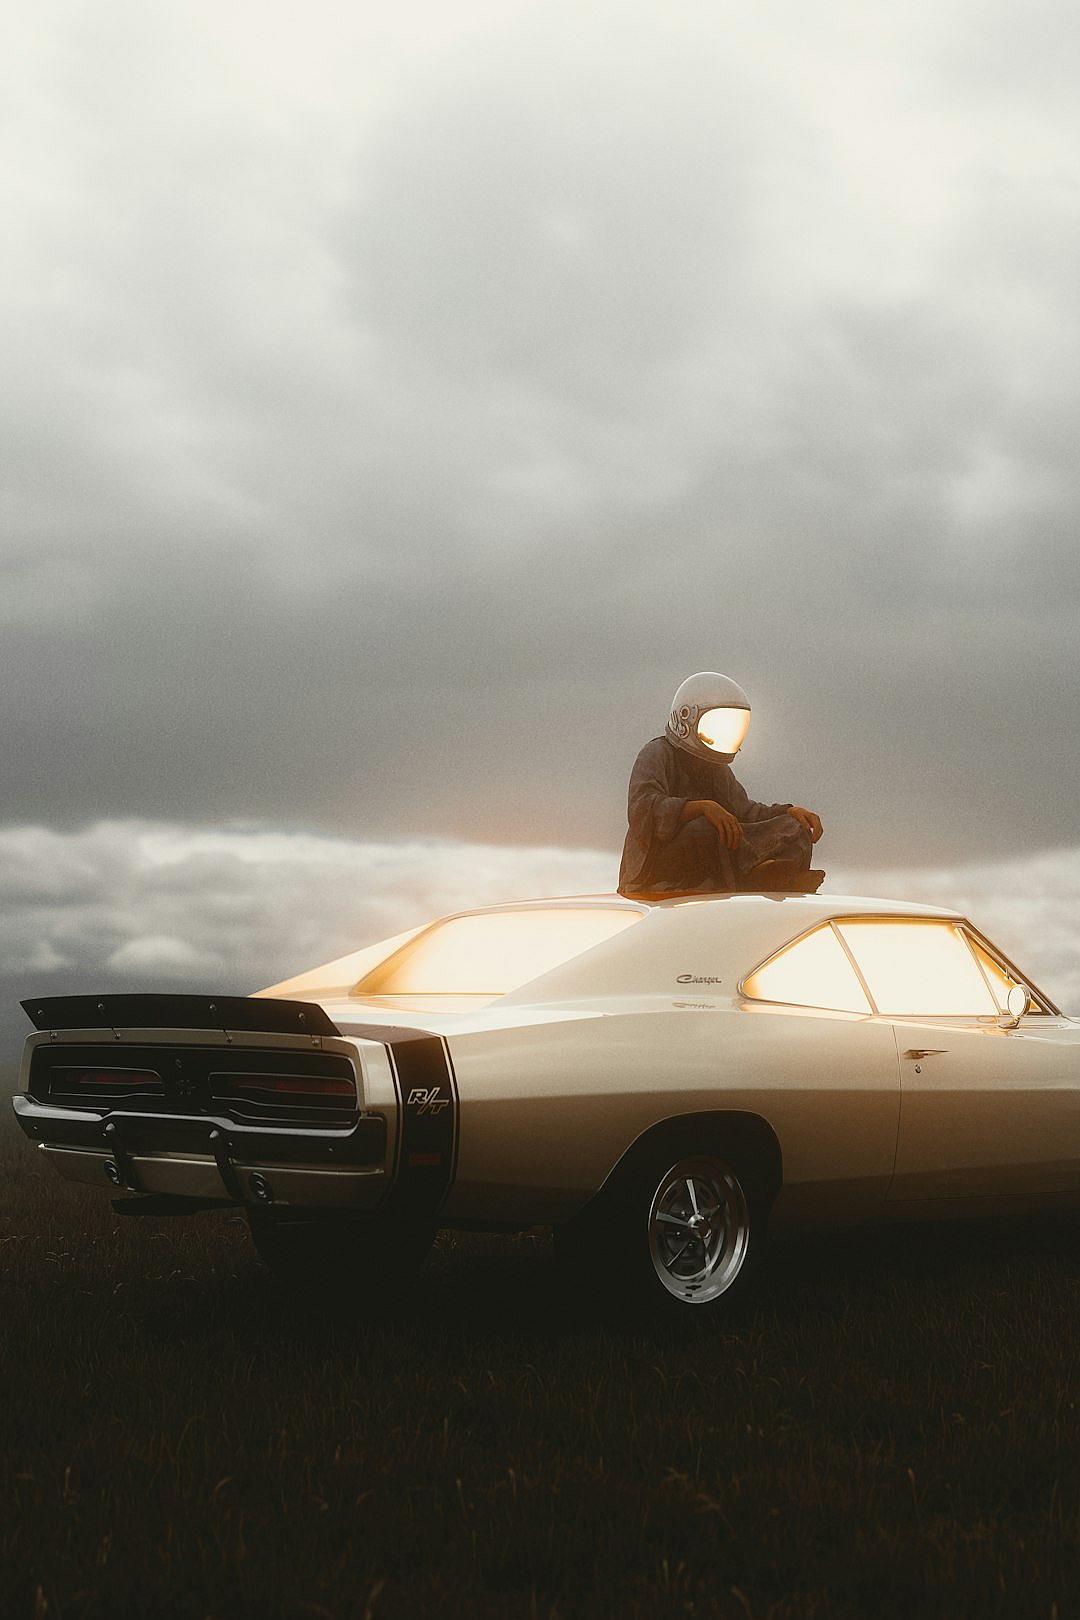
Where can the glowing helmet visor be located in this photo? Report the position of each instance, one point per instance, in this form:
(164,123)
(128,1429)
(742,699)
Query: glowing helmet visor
(710,715)
(724,730)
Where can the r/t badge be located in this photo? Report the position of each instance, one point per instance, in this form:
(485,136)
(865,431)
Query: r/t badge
(428,1100)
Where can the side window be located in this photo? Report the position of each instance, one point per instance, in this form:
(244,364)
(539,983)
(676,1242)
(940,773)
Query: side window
(813,972)
(1000,981)
(919,969)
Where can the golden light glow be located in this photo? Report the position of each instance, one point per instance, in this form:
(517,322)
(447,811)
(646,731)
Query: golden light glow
(724,730)
(1000,982)
(917,968)
(494,953)
(337,978)
(814,972)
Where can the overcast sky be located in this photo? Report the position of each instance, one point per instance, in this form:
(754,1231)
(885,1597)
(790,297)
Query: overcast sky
(399,400)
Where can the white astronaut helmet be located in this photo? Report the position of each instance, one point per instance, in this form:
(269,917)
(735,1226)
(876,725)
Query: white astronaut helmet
(710,716)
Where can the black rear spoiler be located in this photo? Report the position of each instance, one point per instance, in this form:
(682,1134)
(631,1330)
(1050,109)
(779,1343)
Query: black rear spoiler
(265,1015)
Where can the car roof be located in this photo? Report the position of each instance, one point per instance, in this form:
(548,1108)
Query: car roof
(724,935)
(810,906)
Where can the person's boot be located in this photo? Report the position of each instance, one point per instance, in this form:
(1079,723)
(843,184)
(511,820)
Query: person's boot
(784,877)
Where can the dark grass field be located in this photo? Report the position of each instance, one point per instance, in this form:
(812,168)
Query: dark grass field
(892,1431)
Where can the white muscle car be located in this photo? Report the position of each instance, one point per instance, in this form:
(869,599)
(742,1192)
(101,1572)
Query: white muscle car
(658,1082)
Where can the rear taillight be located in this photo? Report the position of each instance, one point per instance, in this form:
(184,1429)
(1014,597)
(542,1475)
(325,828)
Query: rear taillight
(98,1086)
(326,1099)
(280,1086)
(107,1077)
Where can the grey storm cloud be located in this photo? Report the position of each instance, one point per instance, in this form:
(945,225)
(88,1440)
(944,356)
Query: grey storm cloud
(241,907)
(398,406)
(236,908)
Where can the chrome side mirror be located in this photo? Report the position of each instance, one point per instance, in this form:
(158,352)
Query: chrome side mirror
(1018,1003)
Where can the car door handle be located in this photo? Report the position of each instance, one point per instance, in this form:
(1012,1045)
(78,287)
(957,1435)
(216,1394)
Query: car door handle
(926,1051)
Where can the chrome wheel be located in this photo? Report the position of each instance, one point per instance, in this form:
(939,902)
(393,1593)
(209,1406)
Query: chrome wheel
(699,1230)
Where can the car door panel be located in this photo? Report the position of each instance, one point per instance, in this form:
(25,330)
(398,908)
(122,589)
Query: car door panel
(987,1111)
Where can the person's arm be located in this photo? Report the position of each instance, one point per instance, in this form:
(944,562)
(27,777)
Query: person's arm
(808,819)
(765,812)
(747,809)
(727,825)
(654,811)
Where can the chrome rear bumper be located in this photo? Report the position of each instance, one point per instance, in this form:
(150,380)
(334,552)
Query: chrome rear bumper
(211,1159)
(198,1178)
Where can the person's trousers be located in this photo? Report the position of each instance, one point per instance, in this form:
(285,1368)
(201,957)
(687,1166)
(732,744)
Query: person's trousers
(695,861)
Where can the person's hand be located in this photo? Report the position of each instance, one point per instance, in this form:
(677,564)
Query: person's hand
(807,819)
(728,828)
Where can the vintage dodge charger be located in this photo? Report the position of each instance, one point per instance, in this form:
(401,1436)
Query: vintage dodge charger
(661,1083)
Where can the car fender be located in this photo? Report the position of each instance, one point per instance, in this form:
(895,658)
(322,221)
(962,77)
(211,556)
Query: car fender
(746,1135)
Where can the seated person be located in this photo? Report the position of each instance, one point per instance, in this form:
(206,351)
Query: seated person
(693,828)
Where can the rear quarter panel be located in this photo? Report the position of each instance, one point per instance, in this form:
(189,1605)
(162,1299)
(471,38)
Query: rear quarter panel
(549,1107)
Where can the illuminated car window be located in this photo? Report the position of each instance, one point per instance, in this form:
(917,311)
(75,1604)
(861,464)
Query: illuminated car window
(494,953)
(813,972)
(918,968)
(1000,981)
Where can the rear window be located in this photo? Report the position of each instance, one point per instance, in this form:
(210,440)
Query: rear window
(490,954)
(813,972)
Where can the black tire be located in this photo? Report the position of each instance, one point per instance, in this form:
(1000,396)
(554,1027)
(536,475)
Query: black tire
(355,1262)
(678,1231)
